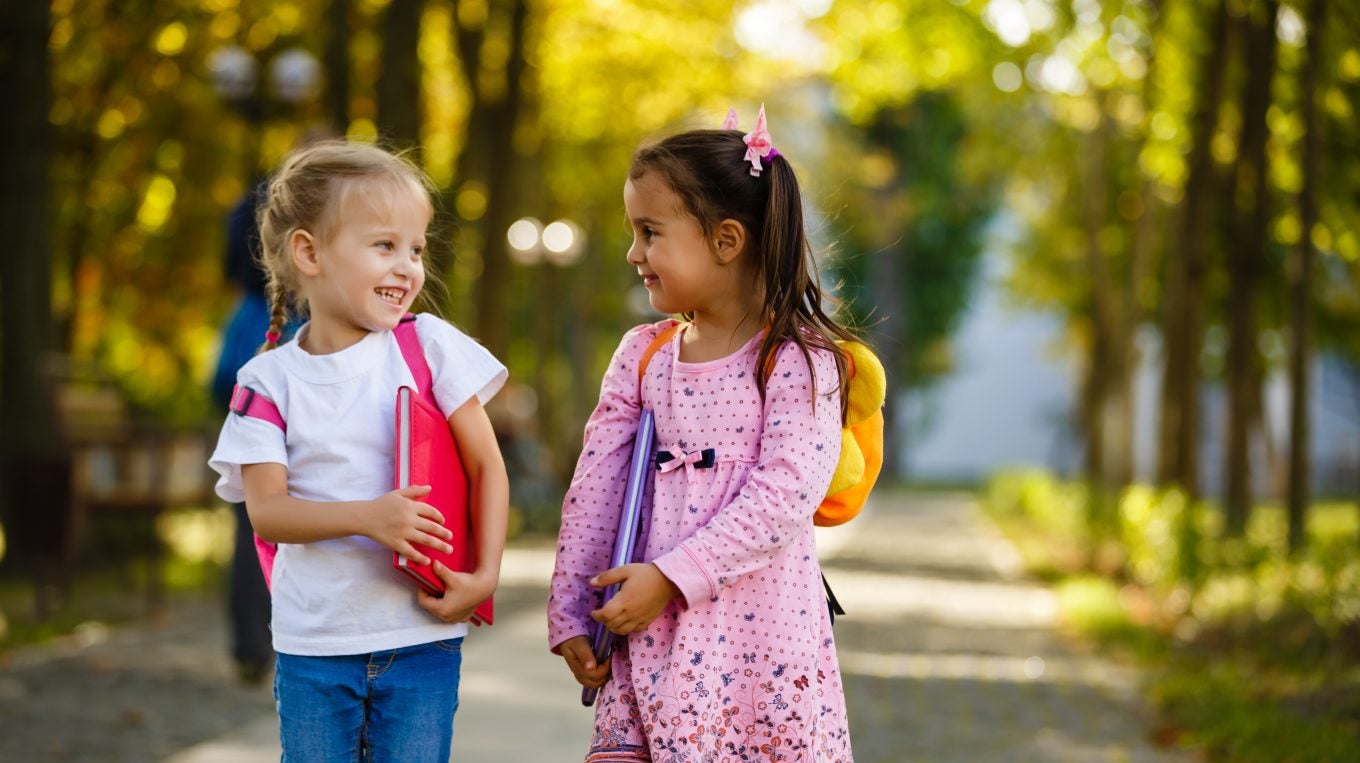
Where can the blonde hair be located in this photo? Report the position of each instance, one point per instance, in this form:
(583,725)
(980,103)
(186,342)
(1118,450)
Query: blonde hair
(308,193)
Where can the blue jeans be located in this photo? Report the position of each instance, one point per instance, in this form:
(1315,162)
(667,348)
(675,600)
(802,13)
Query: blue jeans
(395,705)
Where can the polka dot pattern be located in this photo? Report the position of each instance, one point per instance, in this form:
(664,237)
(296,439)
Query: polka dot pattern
(743,665)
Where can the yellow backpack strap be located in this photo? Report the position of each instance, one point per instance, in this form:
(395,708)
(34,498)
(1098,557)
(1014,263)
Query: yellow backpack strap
(660,341)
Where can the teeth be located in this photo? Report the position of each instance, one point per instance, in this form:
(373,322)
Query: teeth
(390,294)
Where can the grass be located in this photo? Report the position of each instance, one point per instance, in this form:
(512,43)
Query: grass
(1251,655)
(113,586)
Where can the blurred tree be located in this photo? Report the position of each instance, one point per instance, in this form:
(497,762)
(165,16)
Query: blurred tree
(1301,285)
(912,236)
(33,466)
(490,38)
(337,64)
(1246,258)
(399,81)
(918,187)
(1187,270)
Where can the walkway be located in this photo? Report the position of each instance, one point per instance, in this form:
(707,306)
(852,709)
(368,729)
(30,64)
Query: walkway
(949,655)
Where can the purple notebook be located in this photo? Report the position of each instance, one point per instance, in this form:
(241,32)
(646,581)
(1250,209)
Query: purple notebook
(635,498)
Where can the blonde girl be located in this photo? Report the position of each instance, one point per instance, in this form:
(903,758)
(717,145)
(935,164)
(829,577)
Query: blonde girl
(367,667)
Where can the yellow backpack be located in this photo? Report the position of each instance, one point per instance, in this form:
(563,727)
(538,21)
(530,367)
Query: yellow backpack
(861,457)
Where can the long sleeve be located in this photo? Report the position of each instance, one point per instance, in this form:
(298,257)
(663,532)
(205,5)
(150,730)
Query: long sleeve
(590,509)
(799,448)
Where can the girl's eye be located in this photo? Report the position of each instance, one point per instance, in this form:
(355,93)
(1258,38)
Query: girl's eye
(386,245)
(418,251)
(647,231)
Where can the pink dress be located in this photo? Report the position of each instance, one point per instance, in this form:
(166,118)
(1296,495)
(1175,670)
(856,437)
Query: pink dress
(744,667)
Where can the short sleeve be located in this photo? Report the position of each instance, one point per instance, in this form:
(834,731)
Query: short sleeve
(247,440)
(461,368)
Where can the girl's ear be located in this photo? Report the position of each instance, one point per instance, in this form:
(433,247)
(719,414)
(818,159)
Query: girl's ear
(302,249)
(729,241)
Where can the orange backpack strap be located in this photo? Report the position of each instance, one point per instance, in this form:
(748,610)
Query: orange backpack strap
(660,341)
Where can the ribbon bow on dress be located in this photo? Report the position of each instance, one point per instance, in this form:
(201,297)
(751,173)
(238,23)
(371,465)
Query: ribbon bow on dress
(673,458)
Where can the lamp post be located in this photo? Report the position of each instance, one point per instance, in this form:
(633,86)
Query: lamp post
(561,243)
(294,79)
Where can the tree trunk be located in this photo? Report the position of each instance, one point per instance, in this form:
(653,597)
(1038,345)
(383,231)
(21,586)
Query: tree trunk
(337,65)
(1300,315)
(1183,332)
(399,82)
(1246,260)
(34,464)
(890,342)
(1101,366)
(1142,258)
(488,162)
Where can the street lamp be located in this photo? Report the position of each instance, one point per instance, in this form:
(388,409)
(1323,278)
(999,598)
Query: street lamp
(560,242)
(294,77)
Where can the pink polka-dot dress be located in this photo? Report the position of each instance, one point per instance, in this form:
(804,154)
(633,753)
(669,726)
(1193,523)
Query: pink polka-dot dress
(743,665)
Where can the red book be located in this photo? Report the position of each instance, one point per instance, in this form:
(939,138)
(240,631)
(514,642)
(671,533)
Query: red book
(428,455)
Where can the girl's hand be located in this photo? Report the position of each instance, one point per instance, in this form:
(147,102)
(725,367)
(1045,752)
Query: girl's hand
(397,520)
(462,593)
(581,659)
(644,594)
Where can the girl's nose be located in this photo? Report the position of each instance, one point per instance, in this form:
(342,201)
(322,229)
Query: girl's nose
(634,255)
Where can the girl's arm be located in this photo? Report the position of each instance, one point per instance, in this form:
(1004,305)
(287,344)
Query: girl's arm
(798,453)
(396,520)
(489,506)
(590,508)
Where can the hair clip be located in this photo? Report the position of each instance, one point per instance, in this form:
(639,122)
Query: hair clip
(758,143)
(273,337)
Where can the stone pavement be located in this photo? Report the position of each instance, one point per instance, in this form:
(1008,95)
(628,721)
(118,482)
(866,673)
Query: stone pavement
(948,656)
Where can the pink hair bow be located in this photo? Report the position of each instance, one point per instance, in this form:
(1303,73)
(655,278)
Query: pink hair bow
(758,142)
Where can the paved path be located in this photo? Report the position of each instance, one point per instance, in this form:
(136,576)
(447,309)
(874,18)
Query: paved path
(948,656)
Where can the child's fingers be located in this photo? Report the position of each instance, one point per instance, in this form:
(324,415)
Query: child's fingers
(435,518)
(428,535)
(593,677)
(579,653)
(447,575)
(414,491)
(617,621)
(411,554)
(612,576)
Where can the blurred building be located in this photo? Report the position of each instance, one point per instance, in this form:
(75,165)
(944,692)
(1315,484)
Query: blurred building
(1012,401)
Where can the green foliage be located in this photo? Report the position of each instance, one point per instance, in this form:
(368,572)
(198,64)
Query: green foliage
(1225,707)
(910,200)
(1160,533)
(1035,495)
(1254,652)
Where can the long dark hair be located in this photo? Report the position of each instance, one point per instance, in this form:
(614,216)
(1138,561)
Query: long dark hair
(706,170)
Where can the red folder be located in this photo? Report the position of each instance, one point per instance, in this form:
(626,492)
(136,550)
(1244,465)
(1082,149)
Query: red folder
(428,455)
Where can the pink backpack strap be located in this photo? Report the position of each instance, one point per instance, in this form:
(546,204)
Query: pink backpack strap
(411,351)
(247,402)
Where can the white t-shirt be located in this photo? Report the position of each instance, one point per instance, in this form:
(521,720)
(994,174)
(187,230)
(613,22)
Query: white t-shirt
(342,596)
